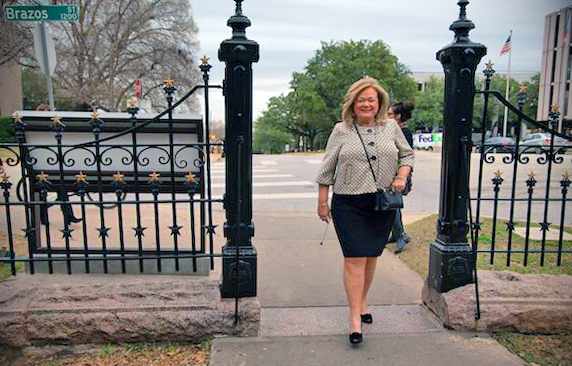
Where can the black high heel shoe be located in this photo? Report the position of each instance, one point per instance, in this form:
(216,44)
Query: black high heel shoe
(356,338)
(366,318)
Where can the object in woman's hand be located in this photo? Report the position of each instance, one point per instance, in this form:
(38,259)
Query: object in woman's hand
(387,201)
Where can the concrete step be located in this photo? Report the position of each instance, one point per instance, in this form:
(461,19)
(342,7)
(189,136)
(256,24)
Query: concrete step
(305,321)
(439,348)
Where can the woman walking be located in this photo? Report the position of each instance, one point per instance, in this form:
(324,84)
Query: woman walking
(366,151)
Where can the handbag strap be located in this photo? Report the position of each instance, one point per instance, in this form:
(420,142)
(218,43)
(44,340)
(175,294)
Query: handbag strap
(366,155)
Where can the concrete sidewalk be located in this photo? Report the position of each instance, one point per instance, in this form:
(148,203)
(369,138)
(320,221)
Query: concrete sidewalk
(304,316)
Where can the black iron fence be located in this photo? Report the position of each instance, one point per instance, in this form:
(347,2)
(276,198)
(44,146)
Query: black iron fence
(521,207)
(124,195)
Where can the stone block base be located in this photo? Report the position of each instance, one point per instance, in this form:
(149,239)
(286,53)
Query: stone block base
(79,309)
(509,301)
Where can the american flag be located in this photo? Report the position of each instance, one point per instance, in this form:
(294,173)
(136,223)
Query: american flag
(506,46)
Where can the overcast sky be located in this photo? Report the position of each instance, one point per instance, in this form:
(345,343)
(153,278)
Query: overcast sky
(290,31)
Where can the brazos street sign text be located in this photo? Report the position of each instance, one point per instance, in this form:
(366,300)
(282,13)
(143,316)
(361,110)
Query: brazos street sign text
(62,13)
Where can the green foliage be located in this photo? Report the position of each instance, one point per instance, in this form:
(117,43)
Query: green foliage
(314,105)
(496,110)
(6,129)
(35,92)
(33,88)
(270,133)
(429,105)
(107,351)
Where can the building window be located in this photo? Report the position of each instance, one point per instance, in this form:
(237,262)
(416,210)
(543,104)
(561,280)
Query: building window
(556,31)
(551,96)
(566,96)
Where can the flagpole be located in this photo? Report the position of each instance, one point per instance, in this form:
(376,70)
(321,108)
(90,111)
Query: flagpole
(507,88)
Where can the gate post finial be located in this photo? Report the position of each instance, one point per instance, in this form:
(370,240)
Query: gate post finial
(462,26)
(238,22)
(451,260)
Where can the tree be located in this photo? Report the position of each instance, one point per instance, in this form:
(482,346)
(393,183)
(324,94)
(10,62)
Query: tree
(314,105)
(270,132)
(429,105)
(531,104)
(338,64)
(115,42)
(15,38)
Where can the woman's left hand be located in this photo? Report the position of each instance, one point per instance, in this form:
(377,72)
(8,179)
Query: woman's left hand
(398,184)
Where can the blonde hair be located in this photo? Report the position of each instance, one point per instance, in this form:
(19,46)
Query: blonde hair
(348,115)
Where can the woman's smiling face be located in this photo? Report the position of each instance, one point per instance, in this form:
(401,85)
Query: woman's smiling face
(366,105)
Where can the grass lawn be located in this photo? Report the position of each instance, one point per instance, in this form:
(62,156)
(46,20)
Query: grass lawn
(140,354)
(20,248)
(423,233)
(544,350)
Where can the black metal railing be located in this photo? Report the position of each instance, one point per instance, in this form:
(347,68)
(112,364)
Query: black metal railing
(521,195)
(110,193)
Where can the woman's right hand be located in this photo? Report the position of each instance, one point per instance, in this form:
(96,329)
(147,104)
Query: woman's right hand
(324,212)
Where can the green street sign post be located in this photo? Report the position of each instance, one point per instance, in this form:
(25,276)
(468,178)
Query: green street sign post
(53,13)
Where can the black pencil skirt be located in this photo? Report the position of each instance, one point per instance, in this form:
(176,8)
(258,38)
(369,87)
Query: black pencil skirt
(361,231)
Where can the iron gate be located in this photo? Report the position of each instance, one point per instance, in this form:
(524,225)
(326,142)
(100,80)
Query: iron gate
(522,185)
(511,196)
(138,192)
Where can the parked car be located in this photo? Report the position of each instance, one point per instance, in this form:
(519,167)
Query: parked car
(498,144)
(542,140)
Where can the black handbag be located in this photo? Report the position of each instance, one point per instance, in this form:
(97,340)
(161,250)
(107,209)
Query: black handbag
(384,200)
(387,201)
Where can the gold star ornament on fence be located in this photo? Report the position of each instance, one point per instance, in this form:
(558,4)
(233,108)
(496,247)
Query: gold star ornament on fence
(95,115)
(42,177)
(498,174)
(531,175)
(168,82)
(523,88)
(17,117)
(190,178)
(57,121)
(5,177)
(81,177)
(154,177)
(118,177)
(566,176)
(489,65)
(205,60)
(555,108)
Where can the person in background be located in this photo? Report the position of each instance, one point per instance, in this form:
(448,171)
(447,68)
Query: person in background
(362,232)
(43,107)
(401,113)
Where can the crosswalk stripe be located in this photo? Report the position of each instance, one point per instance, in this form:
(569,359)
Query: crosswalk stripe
(268,162)
(253,170)
(255,176)
(271,184)
(313,161)
(280,196)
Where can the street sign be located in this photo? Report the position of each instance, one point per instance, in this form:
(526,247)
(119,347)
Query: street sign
(57,13)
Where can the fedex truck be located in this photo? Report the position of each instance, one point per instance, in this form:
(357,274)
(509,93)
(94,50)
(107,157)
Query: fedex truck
(427,141)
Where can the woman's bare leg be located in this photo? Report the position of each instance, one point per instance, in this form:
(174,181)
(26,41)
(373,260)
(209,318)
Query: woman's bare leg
(354,283)
(371,264)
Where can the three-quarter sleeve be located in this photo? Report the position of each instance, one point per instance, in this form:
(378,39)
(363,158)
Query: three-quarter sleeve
(327,171)
(405,155)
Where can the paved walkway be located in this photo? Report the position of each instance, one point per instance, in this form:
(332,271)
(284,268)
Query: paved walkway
(304,314)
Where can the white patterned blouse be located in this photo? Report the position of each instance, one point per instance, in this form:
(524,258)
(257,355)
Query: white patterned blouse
(345,164)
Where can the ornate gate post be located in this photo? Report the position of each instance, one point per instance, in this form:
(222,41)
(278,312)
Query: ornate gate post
(239,256)
(451,259)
